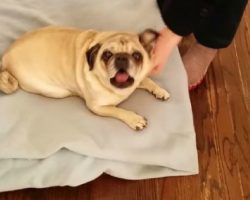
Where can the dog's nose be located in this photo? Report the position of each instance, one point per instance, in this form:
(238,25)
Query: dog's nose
(121,62)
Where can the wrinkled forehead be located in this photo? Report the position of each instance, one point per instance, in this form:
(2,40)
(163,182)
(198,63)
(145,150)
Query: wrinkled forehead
(123,42)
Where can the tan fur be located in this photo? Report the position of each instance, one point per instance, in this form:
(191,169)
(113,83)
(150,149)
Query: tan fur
(8,84)
(52,62)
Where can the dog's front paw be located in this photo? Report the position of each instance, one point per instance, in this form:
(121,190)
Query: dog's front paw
(161,94)
(136,122)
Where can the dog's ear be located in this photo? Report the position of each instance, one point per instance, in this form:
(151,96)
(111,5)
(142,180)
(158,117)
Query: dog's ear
(148,39)
(91,55)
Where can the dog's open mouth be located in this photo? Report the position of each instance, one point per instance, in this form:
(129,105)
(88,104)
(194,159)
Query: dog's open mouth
(122,79)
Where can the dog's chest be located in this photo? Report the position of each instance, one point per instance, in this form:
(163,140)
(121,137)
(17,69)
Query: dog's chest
(102,96)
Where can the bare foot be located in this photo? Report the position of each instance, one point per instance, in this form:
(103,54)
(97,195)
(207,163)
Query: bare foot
(196,61)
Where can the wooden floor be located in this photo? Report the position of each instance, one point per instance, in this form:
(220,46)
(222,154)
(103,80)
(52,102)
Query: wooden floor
(221,108)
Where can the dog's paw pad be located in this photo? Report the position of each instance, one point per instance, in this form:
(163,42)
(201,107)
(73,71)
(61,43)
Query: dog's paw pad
(161,94)
(137,122)
(141,124)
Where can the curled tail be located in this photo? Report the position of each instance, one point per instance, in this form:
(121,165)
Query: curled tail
(8,83)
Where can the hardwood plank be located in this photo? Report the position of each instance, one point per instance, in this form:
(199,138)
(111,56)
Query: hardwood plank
(210,180)
(223,133)
(181,188)
(58,193)
(229,116)
(237,82)
(108,188)
(242,48)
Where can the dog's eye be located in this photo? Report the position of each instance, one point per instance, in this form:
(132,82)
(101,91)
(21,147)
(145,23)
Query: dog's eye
(107,55)
(137,56)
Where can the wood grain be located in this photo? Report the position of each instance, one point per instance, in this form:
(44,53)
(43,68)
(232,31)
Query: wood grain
(221,107)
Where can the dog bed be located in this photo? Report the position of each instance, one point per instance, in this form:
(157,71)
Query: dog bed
(49,142)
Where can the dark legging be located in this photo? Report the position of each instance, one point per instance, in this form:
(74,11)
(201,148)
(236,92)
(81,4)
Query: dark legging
(213,22)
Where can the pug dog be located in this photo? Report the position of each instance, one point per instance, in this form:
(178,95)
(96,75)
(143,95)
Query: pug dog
(103,68)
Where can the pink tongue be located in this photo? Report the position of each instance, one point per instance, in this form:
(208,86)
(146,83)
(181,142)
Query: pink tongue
(121,77)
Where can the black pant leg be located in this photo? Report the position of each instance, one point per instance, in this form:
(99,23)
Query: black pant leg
(218,22)
(179,15)
(213,22)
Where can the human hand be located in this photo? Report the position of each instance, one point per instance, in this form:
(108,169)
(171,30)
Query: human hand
(164,46)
